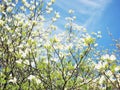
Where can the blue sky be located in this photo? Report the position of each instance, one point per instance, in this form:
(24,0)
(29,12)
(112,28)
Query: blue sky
(95,15)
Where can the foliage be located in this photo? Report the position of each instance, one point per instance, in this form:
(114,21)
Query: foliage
(33,57)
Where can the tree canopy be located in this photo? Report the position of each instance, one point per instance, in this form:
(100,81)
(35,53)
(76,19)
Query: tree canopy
(34,57)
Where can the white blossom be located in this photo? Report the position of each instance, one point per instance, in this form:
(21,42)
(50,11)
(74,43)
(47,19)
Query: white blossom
(117,68)
(57,15)
(108,73)
(1,22)
(112,57)
(52,1)
(112,78)
(14,80)
(95,45)
(101,65)
(74,17)
(99,36)
(49,10)
(22,8)
(42,18)
(54,19)
(32,77)
(49,4)
(55,59)
(19,61)
(26,62)
(32,7)
(11,49)
(16,1)
(102,79)
(108,57)
(23,55)
(71,11)
(99,32)
(9,9)
(38,81)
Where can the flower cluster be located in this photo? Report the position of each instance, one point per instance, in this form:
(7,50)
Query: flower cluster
(34,57)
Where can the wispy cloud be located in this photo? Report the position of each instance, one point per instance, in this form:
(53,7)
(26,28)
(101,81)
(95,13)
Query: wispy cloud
(87,11)
(90,3)
(93,9)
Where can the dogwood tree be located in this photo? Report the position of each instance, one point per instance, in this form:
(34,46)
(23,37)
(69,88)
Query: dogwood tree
(33,57)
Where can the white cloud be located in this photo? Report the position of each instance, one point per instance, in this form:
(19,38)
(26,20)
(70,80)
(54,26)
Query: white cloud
(90,3)
(93,5)
(92,9)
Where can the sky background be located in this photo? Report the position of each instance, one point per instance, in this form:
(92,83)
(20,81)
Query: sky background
(95,15)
